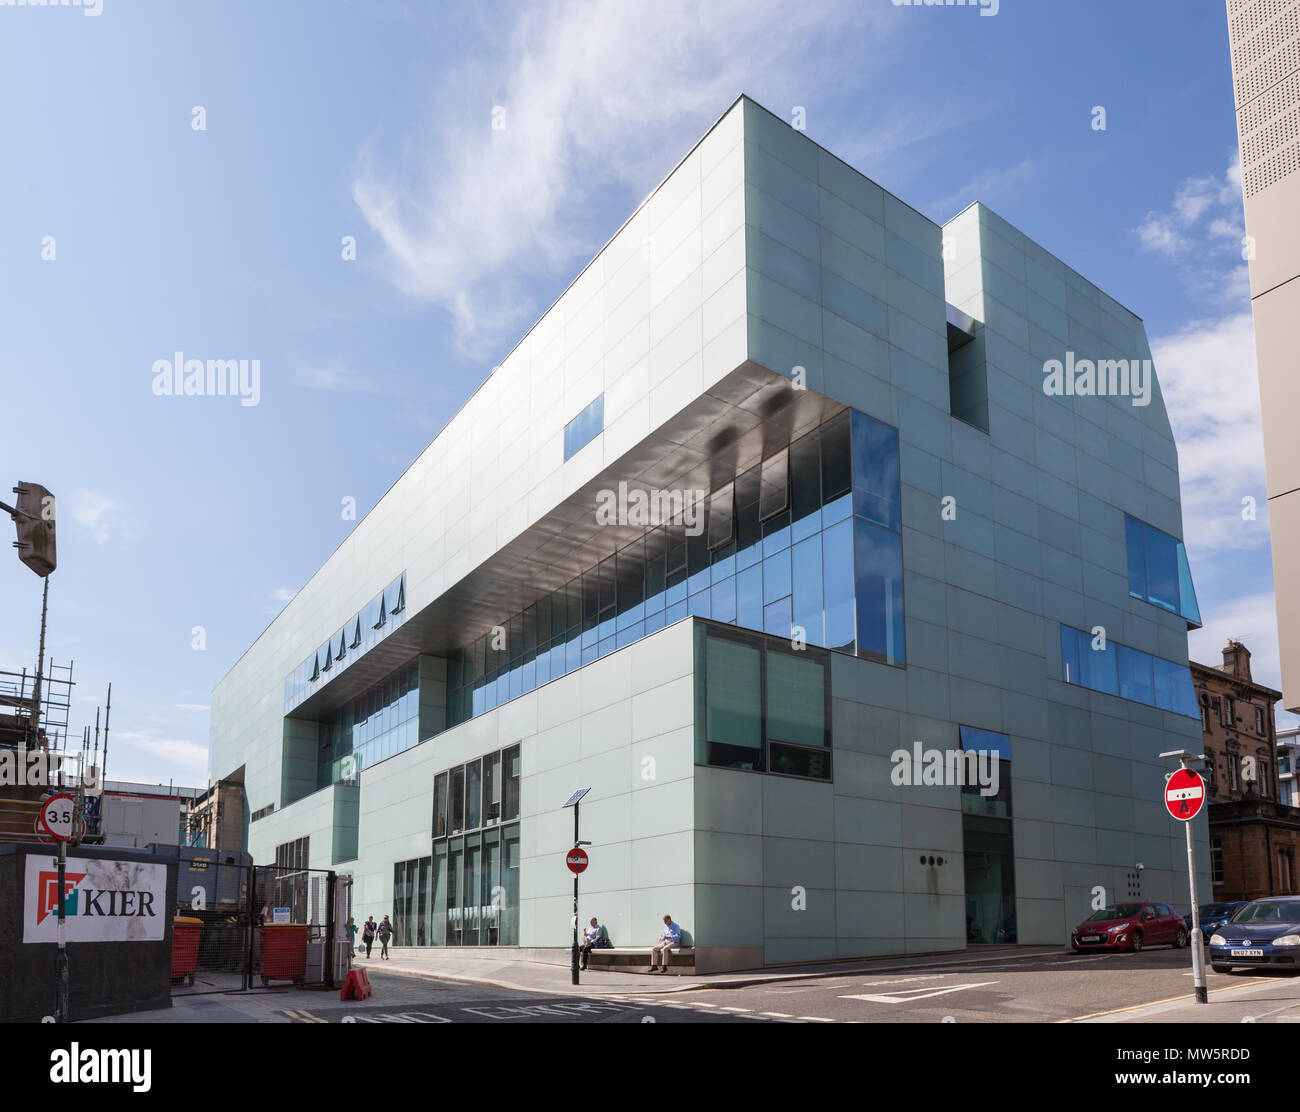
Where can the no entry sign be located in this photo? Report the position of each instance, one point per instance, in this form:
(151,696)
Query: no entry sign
(576,859)
(1185,795)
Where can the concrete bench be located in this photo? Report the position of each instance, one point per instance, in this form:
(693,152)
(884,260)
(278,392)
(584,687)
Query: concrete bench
(636,959)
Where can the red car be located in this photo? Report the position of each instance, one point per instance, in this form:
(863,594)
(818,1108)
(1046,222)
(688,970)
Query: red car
(1130,926)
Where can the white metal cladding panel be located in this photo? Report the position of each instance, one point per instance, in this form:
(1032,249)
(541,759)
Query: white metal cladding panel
(631,325)
(585,729)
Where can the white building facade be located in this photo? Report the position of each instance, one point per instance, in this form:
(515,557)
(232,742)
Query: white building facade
(900,542)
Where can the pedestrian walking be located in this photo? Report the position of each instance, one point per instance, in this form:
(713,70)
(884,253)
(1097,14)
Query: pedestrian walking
(368,934)
(351,928)
(385,933)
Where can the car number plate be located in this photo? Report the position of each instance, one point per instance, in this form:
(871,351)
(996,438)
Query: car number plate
(1089,938)
(1247,953)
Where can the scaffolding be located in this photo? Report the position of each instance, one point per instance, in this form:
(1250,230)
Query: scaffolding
(18,700)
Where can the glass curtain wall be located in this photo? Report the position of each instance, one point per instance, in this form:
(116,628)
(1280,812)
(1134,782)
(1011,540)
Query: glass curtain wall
(805,545)
(1115,669)
(989,857)
(467,892)
(360,633)
(761,706)
(379,723)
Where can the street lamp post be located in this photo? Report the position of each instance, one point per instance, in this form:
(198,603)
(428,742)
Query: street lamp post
(573,801)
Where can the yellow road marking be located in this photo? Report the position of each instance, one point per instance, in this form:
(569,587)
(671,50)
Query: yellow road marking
(1168,1000)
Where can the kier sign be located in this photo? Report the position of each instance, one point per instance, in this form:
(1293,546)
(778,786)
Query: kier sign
(104,901)
(1185,794)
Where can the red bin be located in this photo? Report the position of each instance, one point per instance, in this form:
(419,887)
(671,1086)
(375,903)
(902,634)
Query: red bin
(284,952)
(185,947)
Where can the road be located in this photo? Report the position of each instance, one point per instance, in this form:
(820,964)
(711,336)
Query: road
(994,988)
(399,999)
(1006,988)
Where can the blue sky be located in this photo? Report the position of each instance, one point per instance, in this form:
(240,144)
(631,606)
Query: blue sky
(335,118)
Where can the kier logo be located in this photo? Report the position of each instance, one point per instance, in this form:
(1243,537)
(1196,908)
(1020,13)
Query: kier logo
(105,903)
(49,894)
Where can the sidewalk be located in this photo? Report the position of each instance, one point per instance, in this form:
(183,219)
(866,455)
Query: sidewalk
(531,976)
(416,964)
(1267,998)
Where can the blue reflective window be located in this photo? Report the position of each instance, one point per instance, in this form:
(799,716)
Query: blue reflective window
(788,552)
(1070,639)
(1136,680)
(1137,559)
(584,428)
(1098,665)
(722,604)
(985,741)
(1174,690)
(875,471)
(1186,589)
(749,598)
(1130,673)
(776,576)
(837,581)
(878,583)
(1158,571)
(806,581)
(776,618)
(1162,569)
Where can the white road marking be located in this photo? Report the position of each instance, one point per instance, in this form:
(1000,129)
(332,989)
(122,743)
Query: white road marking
(780,1015)
(815,1019)
(907,995)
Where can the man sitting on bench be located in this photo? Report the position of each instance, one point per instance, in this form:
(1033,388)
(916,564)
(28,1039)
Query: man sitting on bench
(671,937)
(590,938)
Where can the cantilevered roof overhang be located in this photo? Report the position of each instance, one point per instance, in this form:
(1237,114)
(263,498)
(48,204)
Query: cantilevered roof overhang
(748,415)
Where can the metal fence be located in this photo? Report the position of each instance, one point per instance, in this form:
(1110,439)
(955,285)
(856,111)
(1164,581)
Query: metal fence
(241,926)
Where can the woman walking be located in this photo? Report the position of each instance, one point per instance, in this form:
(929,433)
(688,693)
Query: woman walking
(368,934)
(385,933)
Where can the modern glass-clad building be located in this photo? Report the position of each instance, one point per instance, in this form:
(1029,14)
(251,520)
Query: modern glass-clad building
(768,534)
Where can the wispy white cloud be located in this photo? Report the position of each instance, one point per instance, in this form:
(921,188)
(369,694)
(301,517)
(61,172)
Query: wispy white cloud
(280,598)
(192,706)
(96,513)
(1252,620)
(1203,229)
(335,376)
(1207,373)
(993,188)
(186,760)
(594,94)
